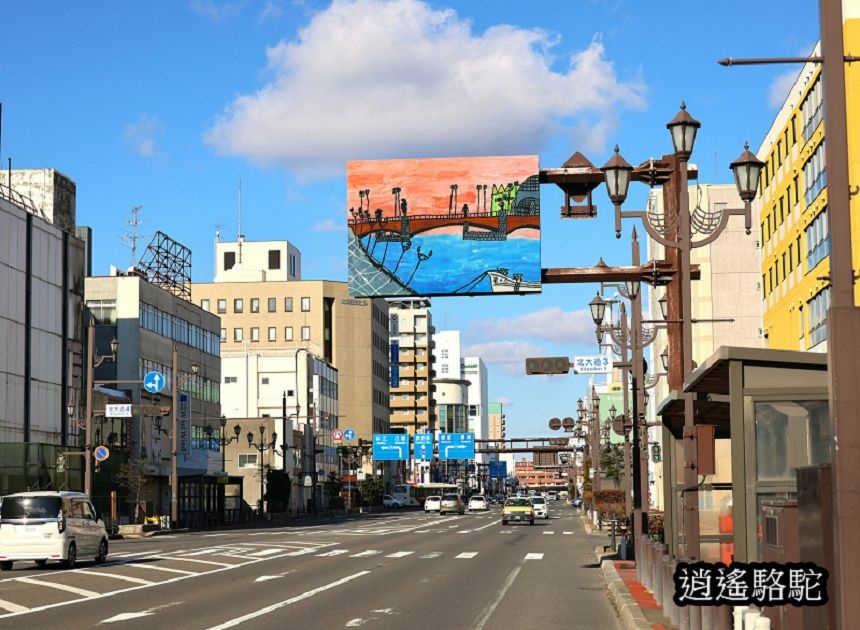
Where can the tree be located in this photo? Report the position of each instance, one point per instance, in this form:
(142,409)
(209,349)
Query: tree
(132,476)
(279,487)
(612,463)
(372,490)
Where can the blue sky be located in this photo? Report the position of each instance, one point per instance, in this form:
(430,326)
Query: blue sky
(167,104)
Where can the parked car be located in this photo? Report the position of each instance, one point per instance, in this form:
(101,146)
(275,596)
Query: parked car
(540,506)
(518,509)
(432,504)
(47,525)
(478,502)
(452,503)
(577,502)
(552,495)
(390,501)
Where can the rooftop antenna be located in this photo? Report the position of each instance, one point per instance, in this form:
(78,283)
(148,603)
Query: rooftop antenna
(217,240)
(131,239)
(241,236)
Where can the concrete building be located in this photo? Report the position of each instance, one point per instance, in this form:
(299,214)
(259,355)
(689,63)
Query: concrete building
(474,371)
(729,291)
(149,321)
(495,421)
(42,267)
(410,338)
(284,339)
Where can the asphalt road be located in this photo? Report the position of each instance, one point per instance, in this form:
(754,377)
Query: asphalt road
(389,571)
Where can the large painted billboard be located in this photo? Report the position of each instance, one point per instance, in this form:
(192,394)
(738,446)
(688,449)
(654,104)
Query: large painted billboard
(444,226)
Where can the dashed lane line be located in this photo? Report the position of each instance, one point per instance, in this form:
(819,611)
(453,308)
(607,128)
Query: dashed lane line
(116,576)
(62,587)
(466,554)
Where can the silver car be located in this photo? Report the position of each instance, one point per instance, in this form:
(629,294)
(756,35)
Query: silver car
(452,503)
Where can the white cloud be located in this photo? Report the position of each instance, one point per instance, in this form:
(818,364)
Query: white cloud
(550,324)
(378,79)
(780,86)
(328,225)
(140,136)
(509,356)
(505,401)
(215,10)
(271,11)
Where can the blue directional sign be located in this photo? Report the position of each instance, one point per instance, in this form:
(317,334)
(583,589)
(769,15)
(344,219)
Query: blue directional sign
(348,434)
(423,445)
(498,470)
(153,382)
(390,446)
(456,446)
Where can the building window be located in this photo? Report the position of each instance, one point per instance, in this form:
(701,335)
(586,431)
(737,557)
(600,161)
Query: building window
(274,259)
(264,380)
(394,325)
(231,379)
(288,304)
(814,175)
(812,109)
(273,305)
(223,335)
(444,354)
(248,460)
(473,410)
(817,241)
(238,305)
(222,306)
(306,304)
(204,304)
(292,264)
(238,334)
(444,368)
(229,260)
(306,333)
(273,333)
(288,333)
(818,317)
(255,305)
(255,334)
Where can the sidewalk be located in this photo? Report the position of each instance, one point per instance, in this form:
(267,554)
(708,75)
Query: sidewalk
(636,606)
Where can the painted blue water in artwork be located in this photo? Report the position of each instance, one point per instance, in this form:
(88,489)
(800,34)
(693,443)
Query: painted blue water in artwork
(445,263)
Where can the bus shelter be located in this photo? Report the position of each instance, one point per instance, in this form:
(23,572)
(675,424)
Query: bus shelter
(769,409)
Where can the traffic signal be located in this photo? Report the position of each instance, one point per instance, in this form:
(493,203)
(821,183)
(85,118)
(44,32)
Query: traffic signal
(340,451)
(547,365)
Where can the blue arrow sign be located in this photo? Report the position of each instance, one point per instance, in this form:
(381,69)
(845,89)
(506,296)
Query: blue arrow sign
(390,446)
(498,470)
(456,446)
(348,434)
(423,444)
(153,382)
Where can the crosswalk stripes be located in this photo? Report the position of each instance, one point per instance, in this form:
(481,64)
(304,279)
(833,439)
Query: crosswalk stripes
(366,554)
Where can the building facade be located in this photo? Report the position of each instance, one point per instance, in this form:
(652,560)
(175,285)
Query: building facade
(42,267)
(410,333)
(474,370)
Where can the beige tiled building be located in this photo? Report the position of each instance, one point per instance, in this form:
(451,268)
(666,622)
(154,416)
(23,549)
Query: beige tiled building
(411,338)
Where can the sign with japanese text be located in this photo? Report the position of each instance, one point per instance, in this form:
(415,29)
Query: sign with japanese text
(591,365)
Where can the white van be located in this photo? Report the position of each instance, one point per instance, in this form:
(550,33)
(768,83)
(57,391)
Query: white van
(48,525)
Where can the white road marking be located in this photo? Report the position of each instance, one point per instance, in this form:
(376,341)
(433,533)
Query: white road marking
(566,533)
(137,565)
(533,556)
(465,531)
(333,552)
(354,623)
(491,607)
(266,552)
(432,554)
(184,559)
(490,524)
(399,554)
(365,554)
(467,554)
(136,553)
(136,615)
(266,578)
(62,587)
(287,602)
(423,531)
(214,535)
(115,576)
(548,533)
(15,608)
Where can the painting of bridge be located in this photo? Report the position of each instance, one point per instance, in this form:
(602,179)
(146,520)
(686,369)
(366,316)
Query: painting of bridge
(443,226)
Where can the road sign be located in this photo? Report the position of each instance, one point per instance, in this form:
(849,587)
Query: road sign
(456,446)
(153,382)
(118,411)
(321,473)
(336,435)
(498,470)
(390,446)
(309,481)
(101,453)
(348,434)
(596,364)
(423,445)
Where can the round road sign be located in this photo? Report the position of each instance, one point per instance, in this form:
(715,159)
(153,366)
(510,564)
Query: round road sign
(336,435)
(101,453)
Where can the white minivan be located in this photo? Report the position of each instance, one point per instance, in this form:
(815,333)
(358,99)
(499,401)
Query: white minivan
(49,525)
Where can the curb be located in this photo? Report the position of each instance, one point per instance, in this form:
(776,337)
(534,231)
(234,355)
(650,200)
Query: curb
(629,612)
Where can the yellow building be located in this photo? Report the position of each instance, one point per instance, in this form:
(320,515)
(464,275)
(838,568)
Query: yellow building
(792,206)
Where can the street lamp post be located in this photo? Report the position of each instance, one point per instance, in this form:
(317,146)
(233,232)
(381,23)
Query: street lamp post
(675,233)
(262,447)
(94,359)
(222,439)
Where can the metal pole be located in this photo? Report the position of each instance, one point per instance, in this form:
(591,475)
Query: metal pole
(174,474)
(843,322)
(640,507)
(691,493)
(261,449)
(284,438)
(88,419)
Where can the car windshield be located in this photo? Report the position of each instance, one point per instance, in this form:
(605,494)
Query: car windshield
(477,497)
(449,497)
(538,500)
(29,507)
(520,502)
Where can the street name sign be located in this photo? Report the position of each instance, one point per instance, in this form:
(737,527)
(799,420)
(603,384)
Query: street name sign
(423,445)
(456,446)
(390,446)
(118,411)
(591,365)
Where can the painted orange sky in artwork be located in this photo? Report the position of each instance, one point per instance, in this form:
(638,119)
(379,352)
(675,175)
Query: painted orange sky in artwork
(425,183)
